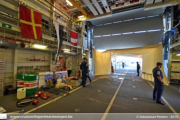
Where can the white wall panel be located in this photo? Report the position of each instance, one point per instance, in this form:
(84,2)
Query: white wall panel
(130,26)
(128,41)
(130,22)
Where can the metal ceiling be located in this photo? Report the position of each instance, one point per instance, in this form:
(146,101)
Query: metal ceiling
(100,6)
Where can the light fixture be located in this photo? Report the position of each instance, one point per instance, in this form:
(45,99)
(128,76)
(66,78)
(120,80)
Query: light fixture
(97,36)
(101,50)
(69,2)
(81,16)
(140,32)
(154,30)
(66,50)
(117,22)
(177,54)
(127,33)
(116,34)
(40,46)
(106,35)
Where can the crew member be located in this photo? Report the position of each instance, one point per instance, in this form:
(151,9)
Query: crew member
(158,83)
(84,69)
(138,68)
(122,64)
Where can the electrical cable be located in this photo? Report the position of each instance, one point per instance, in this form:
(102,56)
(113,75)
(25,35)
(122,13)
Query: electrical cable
(33,100)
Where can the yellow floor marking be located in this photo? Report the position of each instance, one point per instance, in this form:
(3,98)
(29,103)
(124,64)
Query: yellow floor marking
(172,109)
(112,100)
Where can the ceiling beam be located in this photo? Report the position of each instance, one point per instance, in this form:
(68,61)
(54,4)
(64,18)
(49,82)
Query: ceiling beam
(79,7)
(96,4)
(91,7)
(106,6)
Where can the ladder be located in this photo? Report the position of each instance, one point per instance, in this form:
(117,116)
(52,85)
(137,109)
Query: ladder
(2,69)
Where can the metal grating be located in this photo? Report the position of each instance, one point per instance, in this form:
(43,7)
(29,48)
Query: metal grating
(2,67)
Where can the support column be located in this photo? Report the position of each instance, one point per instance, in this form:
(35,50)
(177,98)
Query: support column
(15,66)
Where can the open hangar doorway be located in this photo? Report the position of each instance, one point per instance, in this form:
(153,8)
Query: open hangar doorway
(120,61)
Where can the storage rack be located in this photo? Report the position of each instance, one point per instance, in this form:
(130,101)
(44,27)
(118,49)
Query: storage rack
(2,67)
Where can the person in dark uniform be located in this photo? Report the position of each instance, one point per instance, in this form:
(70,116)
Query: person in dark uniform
(138,68)
(84,69)
(122,64)
(158,83)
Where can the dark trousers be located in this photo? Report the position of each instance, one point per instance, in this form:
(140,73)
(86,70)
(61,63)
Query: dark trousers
(69,73)
(138,72)
(89,78)
(158,91)
(84,77)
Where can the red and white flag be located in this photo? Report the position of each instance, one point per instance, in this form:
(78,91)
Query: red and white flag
(74,37)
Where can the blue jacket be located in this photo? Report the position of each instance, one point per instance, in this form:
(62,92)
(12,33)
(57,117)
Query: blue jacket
(157,72)
(84,66)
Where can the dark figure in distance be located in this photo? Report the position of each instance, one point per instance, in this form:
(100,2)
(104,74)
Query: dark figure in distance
(158,83)
(84,69)
(122,64)
(138,68)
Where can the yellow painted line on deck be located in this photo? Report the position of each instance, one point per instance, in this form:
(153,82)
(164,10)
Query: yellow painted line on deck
(170,107)
(112,100)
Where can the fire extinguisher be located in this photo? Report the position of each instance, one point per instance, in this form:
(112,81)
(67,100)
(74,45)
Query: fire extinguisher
(79,73)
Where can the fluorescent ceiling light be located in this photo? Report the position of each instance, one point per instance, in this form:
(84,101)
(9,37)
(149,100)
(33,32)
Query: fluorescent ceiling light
(116,34)
(69,2)
(152,16)
(106,35)
(140,18)
(154,30)
(97,36)
(121,78)
(101,50)
(140,32)
(66,50)
(177,54)
(127,33)
(128,20)
(117,22)
(81,16)
(40,46)
(99,25)
(107,23)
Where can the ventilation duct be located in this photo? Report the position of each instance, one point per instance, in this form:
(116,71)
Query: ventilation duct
(5,44)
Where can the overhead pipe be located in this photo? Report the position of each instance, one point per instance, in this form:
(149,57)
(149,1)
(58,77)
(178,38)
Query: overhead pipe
(5,44)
